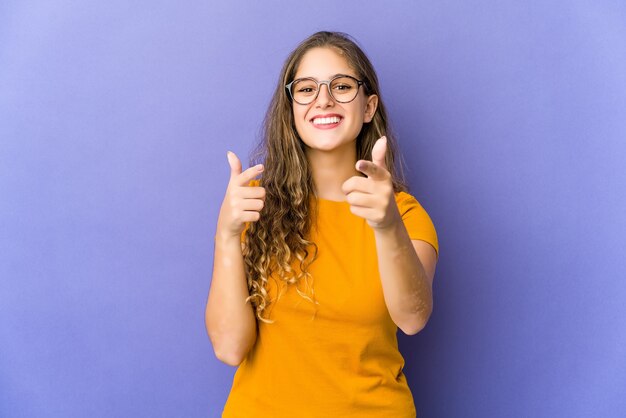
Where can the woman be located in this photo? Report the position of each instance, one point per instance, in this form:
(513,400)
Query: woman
(317,264)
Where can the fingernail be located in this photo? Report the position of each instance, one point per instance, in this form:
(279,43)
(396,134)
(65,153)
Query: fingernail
(259,167)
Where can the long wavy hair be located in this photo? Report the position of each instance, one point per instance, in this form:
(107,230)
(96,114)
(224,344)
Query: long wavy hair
(278,243)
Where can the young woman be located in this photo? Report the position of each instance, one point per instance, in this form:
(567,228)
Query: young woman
(320,261)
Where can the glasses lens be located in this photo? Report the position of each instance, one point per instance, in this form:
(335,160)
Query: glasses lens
(344,89)
(304,91)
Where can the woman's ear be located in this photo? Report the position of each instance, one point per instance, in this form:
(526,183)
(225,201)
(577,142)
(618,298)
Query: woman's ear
(370,108)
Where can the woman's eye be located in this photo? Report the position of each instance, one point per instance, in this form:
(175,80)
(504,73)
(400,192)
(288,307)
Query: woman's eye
(305,87)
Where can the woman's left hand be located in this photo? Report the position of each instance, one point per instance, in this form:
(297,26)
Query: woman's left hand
(372,197)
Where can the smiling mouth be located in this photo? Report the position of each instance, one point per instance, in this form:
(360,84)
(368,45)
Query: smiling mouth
(331,120)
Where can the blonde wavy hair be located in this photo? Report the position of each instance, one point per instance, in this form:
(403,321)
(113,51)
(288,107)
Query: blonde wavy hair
(278,243)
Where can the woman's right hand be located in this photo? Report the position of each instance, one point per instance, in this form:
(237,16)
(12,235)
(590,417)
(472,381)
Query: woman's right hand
(242,203)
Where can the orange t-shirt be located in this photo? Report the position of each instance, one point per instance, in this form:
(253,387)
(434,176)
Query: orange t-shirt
(343,360)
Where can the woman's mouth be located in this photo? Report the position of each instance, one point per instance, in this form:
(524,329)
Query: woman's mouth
(326,122)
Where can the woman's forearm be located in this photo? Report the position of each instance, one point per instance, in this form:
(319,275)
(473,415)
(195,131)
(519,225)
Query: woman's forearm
(406,289)
(230,320)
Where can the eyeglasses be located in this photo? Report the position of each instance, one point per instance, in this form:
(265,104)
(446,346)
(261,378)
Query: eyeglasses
(342,89)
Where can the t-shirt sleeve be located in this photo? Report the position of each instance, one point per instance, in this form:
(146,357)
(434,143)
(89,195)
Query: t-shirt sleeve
(416,220)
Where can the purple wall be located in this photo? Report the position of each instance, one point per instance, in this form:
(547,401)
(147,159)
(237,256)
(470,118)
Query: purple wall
(114,126)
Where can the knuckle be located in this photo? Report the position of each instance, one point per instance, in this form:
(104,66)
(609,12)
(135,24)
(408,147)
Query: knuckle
(233,203)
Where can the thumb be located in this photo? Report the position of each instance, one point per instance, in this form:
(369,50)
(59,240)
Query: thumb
(379,151)
(234,163)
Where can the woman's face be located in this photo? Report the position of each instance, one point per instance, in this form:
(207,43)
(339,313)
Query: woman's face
(326,124)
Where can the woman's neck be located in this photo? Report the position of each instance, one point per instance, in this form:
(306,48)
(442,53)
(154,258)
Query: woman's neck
(331,169)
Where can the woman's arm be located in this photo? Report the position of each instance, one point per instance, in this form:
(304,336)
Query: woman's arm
(230,320)
(406,267)
(406,271)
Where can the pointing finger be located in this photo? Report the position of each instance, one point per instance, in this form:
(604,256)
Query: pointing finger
(372,170)
(248,175)
(242,179)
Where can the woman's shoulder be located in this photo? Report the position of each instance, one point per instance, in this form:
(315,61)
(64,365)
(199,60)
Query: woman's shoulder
(406,201)
(417,221)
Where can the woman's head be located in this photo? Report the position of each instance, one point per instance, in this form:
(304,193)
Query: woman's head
(329,118)
(280,118)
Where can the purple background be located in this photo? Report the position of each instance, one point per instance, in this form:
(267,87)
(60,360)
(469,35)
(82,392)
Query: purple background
(115,119)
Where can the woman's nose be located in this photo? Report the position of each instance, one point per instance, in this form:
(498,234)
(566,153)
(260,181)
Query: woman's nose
(324,99)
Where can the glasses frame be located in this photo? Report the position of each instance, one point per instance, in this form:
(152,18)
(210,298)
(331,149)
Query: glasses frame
(319,87)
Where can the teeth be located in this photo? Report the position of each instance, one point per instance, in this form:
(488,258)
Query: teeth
(326,121)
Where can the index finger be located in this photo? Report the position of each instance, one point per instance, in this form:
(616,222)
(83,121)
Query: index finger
(248,175)
(372,170)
